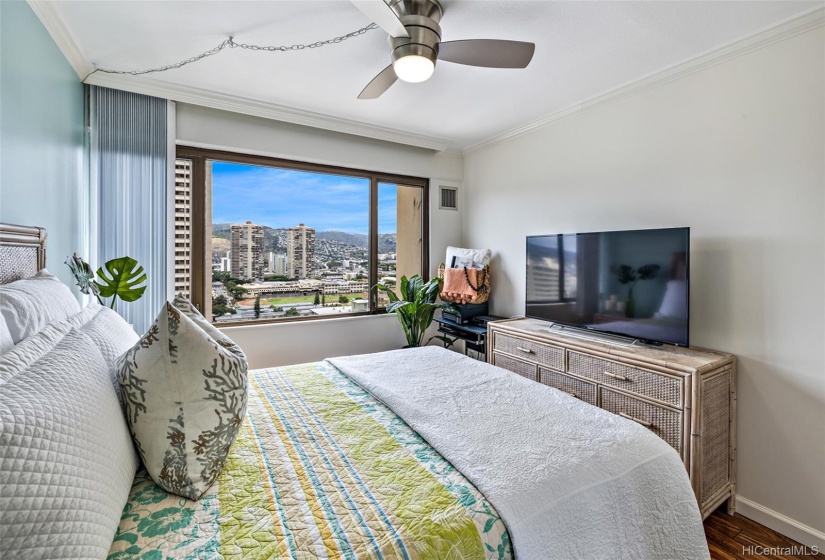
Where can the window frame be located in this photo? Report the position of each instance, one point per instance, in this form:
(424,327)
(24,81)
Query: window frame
(201,202)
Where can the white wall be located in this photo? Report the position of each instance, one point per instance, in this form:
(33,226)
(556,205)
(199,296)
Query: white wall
(736,152)
(296,342)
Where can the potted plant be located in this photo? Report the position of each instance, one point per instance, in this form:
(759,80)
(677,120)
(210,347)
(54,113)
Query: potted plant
(415,306)
(627,275)
(120,279)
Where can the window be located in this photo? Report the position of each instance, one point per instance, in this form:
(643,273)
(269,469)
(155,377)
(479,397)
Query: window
(263,239)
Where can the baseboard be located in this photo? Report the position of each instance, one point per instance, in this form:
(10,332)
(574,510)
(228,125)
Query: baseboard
(780,523)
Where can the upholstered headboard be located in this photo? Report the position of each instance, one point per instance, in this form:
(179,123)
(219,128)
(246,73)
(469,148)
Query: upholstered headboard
(22,251)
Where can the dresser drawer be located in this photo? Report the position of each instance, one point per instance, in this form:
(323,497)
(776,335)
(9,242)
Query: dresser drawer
(525,369)
(576,387)
(542,354)
(664,388)
(666,423)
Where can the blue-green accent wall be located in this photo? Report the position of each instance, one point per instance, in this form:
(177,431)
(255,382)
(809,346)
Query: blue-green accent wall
(41,135)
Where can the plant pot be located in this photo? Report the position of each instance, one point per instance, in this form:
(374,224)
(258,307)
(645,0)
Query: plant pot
(630,307)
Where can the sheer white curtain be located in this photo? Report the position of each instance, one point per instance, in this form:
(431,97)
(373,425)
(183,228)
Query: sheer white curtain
(132,181)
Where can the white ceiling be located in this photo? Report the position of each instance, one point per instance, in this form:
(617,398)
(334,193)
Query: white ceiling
(583,49)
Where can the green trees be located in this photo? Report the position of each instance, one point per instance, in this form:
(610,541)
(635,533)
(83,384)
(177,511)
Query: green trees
(220,306)
(343,299)
(317,298)
(292,312)
(237,292)
(257,308)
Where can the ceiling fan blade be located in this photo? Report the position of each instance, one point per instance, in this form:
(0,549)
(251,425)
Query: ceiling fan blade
(379,84)
(489,53)
(379,12)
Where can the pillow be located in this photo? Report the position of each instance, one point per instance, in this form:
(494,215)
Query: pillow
(674,304)
(6,343)
(475,258)
(66,459)
(30,304)
(186,306)
(185,399)
(37,345)
(113,337)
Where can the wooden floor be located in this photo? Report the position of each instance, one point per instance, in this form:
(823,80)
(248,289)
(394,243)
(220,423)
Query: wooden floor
(739,537)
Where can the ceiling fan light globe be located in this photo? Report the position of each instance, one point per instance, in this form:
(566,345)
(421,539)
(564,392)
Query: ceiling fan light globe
(413,68)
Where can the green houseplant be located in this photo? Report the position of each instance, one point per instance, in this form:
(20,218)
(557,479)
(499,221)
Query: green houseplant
(415,305)
(628,275)
(119,278)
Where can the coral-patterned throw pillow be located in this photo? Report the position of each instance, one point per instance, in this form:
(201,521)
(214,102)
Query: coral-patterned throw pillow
(185,398)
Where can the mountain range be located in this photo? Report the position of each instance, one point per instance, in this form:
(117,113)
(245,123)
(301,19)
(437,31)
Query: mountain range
(275,238)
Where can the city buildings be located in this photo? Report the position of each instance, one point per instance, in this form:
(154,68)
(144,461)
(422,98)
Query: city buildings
(279,268)
(247,251)
(276,264)
(300,252)
(183,226)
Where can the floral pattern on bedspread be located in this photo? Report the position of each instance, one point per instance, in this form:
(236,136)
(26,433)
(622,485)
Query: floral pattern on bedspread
(320,469)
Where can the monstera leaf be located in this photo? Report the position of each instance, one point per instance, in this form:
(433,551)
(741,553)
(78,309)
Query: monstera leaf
(121,279)
(648,271)
(83,275)
(626,274)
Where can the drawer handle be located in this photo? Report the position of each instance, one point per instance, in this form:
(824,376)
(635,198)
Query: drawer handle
(644,423)
(616,376)
(525,350)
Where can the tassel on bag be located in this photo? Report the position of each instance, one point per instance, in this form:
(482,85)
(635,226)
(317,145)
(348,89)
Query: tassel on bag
(461,285)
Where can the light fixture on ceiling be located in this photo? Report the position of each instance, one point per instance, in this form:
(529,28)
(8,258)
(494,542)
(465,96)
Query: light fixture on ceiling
(415,42)
(413,63)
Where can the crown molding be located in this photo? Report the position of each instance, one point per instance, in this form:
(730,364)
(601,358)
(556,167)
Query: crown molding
(774,34)
(246,106)
(46,12)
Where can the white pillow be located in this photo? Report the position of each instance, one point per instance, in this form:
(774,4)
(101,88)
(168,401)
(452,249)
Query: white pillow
(475,258)
(36,346)
(185,398)
(6,343)
(66,459)
(113,337)
(30,304)
(674,304)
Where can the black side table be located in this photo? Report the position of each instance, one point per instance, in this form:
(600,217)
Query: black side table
(474,336)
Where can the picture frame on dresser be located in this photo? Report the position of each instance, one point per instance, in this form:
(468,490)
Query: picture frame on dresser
(686,396)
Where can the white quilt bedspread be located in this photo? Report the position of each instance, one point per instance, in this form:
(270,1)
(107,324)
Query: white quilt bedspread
(570,480)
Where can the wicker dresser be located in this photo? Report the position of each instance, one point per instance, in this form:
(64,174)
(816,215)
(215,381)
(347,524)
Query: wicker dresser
(685,396)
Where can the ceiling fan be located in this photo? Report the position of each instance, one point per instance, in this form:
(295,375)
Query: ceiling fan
(415,39)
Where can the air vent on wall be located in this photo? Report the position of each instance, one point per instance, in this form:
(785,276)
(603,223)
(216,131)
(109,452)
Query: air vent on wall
(448,198)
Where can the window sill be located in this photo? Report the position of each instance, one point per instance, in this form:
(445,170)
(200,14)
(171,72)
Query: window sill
(303,320)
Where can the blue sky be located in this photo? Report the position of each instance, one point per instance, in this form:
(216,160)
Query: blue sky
(282,198)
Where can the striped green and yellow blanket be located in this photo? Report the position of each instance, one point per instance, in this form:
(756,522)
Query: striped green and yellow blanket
(321,469)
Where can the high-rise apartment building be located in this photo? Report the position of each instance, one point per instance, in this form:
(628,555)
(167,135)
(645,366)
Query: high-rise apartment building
(279,265)
(276,264)
(247,251)
(183,226)
(300,252)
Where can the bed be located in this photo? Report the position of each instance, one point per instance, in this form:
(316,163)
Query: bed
(418,453)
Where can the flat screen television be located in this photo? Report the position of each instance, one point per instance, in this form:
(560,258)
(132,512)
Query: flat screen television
(629,283)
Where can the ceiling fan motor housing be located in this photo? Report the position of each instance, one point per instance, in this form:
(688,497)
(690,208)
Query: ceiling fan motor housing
(420,18)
